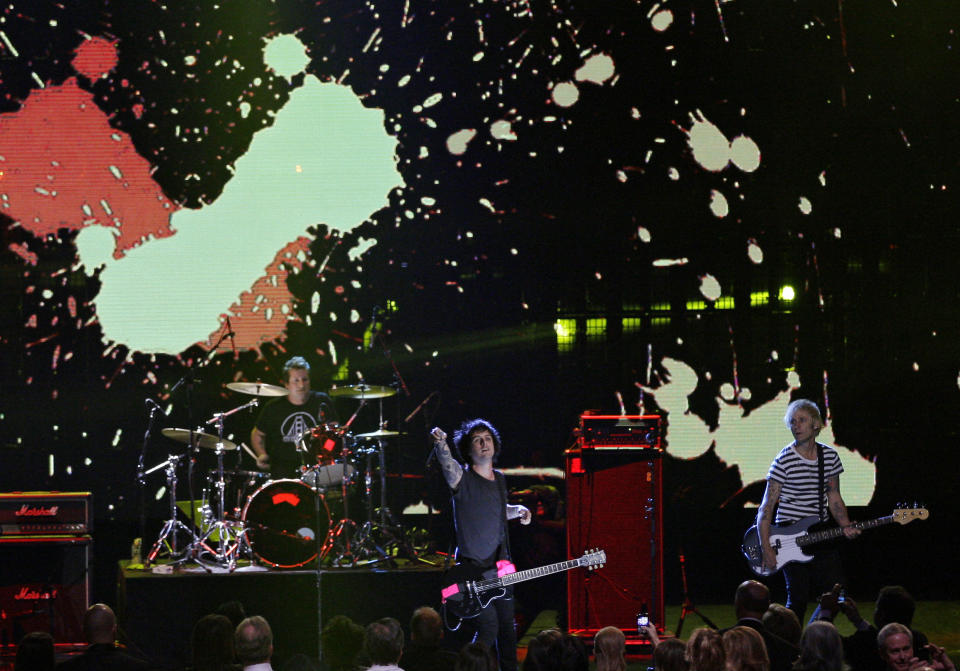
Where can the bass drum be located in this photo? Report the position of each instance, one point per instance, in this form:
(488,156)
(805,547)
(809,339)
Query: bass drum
(281,523)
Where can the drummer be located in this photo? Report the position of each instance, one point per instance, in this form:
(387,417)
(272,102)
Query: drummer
(284,420)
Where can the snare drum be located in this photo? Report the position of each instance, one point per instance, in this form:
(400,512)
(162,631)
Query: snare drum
(282,525)
(322,451)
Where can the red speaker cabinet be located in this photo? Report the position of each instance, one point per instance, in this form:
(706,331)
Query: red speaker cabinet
(614,494)
(44,586)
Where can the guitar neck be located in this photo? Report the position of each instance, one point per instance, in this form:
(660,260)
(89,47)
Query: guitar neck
(529,574)
(836,532)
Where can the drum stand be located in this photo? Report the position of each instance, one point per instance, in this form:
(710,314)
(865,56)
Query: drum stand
(366,543)
(222,542)
(386,527)
(342,534)
(166,545)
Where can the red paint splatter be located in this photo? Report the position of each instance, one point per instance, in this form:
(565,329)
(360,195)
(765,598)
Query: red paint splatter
(248,316)
(95,57)
(24,253)
(137,110)
(59,149)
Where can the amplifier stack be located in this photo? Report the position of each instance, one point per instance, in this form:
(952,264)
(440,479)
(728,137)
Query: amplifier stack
(45,549)
(614,502)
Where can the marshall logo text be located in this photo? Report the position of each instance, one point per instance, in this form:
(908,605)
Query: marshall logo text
(37,511)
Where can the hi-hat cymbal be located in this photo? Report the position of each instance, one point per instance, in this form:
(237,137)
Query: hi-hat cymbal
(200,439)
(362,391)
(257,388)
(380,433)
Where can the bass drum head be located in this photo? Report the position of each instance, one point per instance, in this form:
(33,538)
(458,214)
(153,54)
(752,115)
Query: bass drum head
(281,523)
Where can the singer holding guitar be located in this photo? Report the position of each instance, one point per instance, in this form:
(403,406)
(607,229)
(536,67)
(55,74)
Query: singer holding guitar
(480,512)
(804,480)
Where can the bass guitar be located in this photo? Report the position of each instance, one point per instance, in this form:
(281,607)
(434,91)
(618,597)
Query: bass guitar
(469,589)
(790,542)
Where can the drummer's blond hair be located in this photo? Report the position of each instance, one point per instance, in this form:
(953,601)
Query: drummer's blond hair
(297,362)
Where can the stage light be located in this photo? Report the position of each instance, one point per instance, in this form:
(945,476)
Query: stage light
(787,293)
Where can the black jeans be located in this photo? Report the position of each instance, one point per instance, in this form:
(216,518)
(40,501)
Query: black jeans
(496,628)
(812,578)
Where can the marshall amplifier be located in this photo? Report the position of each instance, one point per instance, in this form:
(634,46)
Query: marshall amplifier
(44,586)
(38,513)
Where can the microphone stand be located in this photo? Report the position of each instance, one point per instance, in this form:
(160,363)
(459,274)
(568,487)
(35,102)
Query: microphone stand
(189,379)
(141,480)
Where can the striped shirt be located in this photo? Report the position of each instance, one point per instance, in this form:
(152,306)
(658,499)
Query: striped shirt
(800,479)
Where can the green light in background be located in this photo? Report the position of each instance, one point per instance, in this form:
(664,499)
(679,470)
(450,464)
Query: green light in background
(787,293)
(566,330)
(724,303)
(759,298)
(596,328)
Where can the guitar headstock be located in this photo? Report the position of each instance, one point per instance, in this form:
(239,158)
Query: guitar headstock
(592,559)
(907,515)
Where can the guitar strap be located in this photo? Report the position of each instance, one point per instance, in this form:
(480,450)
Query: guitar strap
(504,528)
(821,489)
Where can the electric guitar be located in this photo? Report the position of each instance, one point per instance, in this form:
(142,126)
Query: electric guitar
(469,589)
(790,542)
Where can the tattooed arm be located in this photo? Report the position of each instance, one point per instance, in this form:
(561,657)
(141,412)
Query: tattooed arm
(452,471)
(839,509)
(765,518)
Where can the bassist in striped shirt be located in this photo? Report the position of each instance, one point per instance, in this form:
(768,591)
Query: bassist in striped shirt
(795,491)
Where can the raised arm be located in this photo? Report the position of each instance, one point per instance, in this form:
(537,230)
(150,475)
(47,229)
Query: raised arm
(452,471)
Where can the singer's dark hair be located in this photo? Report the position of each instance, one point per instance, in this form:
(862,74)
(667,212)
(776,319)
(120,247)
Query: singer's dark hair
(463,435)
(297,362)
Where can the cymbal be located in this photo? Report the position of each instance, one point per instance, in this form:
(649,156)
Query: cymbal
(257,388)
(200,439)
(380,433)
(362,391)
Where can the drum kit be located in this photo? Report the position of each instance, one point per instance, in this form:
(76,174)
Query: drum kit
(286,523)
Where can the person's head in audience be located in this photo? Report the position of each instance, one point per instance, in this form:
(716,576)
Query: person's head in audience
(426,627)
(705,650)
(783,622)
(573,654)
(609,649)
(213,643)
(821,648)
(670,655)
(543,651)
(253,640)
(745,650)
(751,600)
(233,610)
(100,625)
(341,641)
(35,652)
(475,657)
(384,641)
(895,644)
(894,604)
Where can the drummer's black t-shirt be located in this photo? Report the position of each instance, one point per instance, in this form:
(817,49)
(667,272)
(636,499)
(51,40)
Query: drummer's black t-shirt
(284,423)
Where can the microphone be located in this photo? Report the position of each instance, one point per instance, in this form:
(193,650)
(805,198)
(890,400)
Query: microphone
(150,403)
